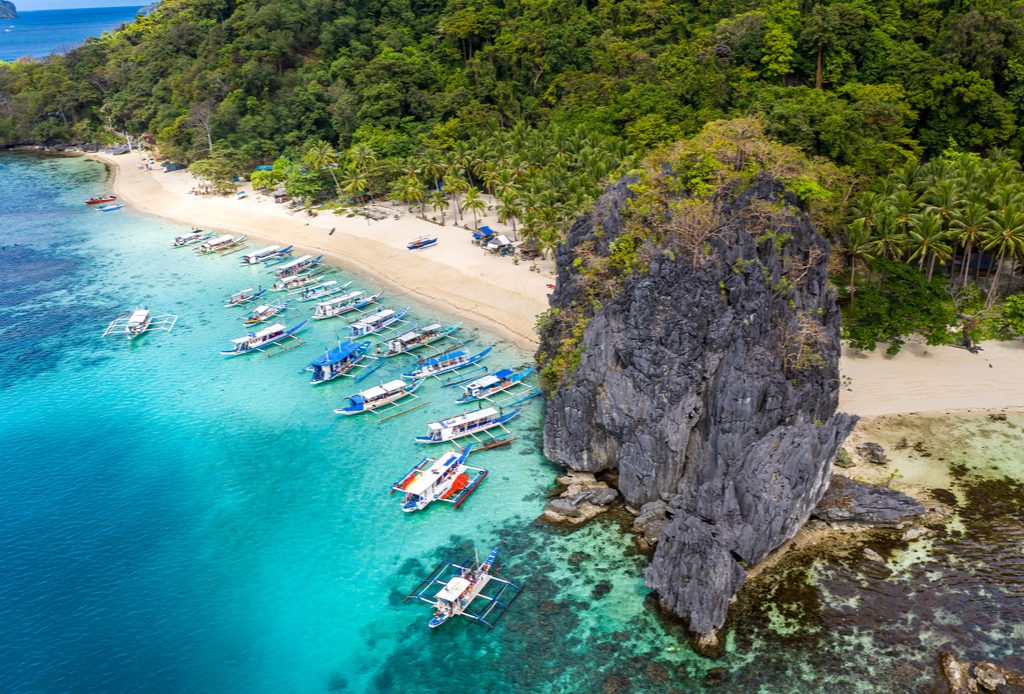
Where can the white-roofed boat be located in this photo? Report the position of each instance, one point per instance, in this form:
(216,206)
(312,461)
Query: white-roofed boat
(445,363)
(323,290)
(264,254)
(303,279)
(467,424)
(461,585)
(378,397)
(192,238)
(415,339)
(445,478)
(490,385)
(264,313)
(257,341)
(300,264)
(340,305)
(245,296)
(139,322)
(220,243)
(376,322)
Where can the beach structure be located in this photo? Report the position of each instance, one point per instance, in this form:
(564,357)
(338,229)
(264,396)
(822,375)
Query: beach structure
(294,283)
(294,267)
(379,399)
(244,296)
(340,305)
(193,237)
(376,322)
(268,340)
(447,362)
(421,243)
(338,361)
(477,425)
(500,245)
(504,382)
(461,586)
(264,313)
(139,322)
(483,235)
(445,478)
(414,339)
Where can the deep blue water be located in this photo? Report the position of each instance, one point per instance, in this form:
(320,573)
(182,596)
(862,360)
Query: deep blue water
(174,521)
(40,33)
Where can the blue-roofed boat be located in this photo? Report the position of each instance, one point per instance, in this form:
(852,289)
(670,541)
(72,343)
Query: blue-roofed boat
(422,242)
(337,361)
(378,397)
(376,322)
(492,384)
(340,305)
(444,363)
(258,341)
(467,424)
(445,478)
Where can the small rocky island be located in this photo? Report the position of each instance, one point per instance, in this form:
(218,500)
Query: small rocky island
(691,352)
(8,10)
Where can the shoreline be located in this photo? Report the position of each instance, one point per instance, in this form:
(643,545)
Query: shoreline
(458,278)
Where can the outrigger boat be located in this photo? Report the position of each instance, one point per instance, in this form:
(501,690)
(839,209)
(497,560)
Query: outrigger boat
(110,208)
(445,363)
(485,387)
(467,424)
(378,397)
(264,313)
(216,244)
(446,478)
(100,199)
(258,341)
(265,254)
(192,238)
(138,322)
(337,361)
(376,322)
(422,242)
(296,266)
(460,587)
(295,282)
(340,305)
(244,297)
(323,290)
(415,339)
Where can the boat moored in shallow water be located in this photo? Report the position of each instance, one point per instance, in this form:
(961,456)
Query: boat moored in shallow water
(376,322)
(101,199)
(110,208)
(264,313)
(296,282)
(264,254)
(218,244)
(415,339)
(139,322)
(445,478)
(244,296)
(193,237)
(485,387)
(467,424)
(340,305)
(323,290)
(294,267)
(260,340)
(337,361)
(378,397)
(445,363)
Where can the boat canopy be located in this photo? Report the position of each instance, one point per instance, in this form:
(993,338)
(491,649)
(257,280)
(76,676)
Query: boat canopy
(483,233)
(339,353)
(427,478)
(500,241)
(341,299)
(484,382)
(260,309)
(227,238)
(466,418)
(262,252)
(295,263)
(447,356)
(370,320)
(453,589)
(383,389)
(266,332)
(139,315)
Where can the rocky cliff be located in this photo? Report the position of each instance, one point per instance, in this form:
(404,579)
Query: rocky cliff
(8,10)
(692,347)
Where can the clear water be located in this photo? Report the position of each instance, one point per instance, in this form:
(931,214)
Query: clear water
(40,33)
(174,521)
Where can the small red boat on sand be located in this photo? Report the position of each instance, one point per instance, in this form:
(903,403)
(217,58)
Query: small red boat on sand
(101,199)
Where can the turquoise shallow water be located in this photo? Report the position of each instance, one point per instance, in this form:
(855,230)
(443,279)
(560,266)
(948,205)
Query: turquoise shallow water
(174,521)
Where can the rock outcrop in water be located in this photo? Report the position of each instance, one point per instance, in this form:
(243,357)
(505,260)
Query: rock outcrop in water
(8,10)
(707,377)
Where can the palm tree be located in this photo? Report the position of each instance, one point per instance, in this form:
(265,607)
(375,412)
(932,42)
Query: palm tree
(435,167)
(928,240)
(859,247)
(475,203)
(409,189)
(509,209)
(1007,239)
(457,185)
(439,202)
(355,182)
(970,224)
(888,241)
(321,155)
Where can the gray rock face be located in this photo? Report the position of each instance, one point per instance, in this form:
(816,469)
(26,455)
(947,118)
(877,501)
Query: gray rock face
(8,10)
(849,501)
(693,386)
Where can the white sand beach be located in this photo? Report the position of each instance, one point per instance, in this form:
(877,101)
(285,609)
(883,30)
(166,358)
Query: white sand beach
(454,275)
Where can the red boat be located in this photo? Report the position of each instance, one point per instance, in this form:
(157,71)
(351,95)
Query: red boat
(101,199)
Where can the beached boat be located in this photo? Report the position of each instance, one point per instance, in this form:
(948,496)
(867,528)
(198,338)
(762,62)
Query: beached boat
(257,341)
(337,361)
(139,322)
(378,397)
(445,478)
(294,267)
(101,199)
(244,296)
(323,290)
(415,339)
(466,424)
(215,244)
(445,363)
(264,254)
(461,586)
(490,385)
(340,305)
(193,237)
(110,208)
(264,313)
(422,242)
(303,279)
(376,322)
